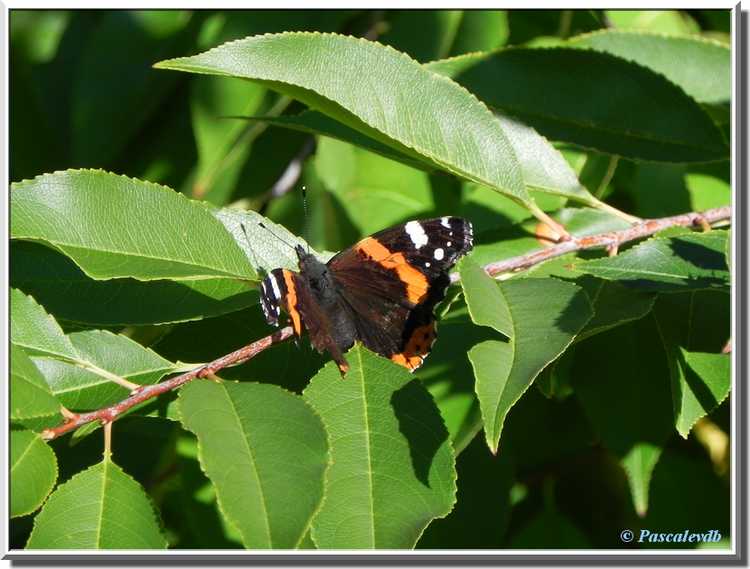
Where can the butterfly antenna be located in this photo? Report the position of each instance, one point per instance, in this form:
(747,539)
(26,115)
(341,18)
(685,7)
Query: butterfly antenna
(284,241)
(307,217)
(249,244)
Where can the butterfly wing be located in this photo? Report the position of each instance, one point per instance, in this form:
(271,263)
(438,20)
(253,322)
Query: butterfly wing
(393,279)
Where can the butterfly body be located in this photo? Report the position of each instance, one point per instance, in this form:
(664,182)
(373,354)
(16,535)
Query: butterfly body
(381,292)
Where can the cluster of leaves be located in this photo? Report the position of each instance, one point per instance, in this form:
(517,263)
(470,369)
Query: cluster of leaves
(599,383)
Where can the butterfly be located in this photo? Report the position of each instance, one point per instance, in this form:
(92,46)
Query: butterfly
(381,291)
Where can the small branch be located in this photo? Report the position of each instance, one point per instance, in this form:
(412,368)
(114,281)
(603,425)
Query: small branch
(144,393)
(610,241)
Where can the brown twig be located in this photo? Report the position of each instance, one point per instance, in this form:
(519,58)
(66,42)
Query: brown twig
(109,414)
(610,240)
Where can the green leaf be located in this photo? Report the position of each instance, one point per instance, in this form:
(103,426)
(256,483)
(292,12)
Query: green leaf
(448,376)
(484,298)
(393,469)
(639,463)
(44,273)
(268,247)
(543,168)
(621,380)
(707,78)
(314,122)
(601,102)
(87,382)
(546,315)
(325,72)
(33,472)
(266,453)
(216,137)
(481,30)
(113,226)
(438,29)
(614,304)
(29,394)
(692,261)
(99,508)
(662,21)
(372,191)
(36,331)
(700,381)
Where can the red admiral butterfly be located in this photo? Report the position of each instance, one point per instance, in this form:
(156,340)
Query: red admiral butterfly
(381,291)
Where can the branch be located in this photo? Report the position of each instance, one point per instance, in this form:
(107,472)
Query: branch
(144,393)
(610,241)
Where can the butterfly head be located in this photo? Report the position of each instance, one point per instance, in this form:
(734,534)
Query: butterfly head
(316,272)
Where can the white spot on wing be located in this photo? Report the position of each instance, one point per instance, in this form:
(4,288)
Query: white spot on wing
(439,254)
(275,285)
(449,243)
(416,234)
(427,264)
(445,223)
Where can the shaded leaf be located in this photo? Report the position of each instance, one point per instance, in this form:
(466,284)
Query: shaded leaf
(87,383)
(680,475)
(601,102)
(392,468)
(621,379)
(70,295)
(30,395)
(105,115)
(113,226)
(670,264)
(700,381)
(438,29)
(325,72)
(550,530)
(266,453)
(33,472)
(482,512)
(708,77)
(448,376)
(614,304)
(99,508)
(546,315)
(314,122)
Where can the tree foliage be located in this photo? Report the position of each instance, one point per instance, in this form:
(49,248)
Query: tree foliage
(157,159)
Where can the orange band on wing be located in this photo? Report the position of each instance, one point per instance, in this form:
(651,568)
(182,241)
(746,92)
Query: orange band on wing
(417,347)
(291,302)
(416,283)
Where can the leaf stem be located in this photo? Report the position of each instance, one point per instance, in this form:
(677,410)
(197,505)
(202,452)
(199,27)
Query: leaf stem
(606,240)
(107,440)
(109,376)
